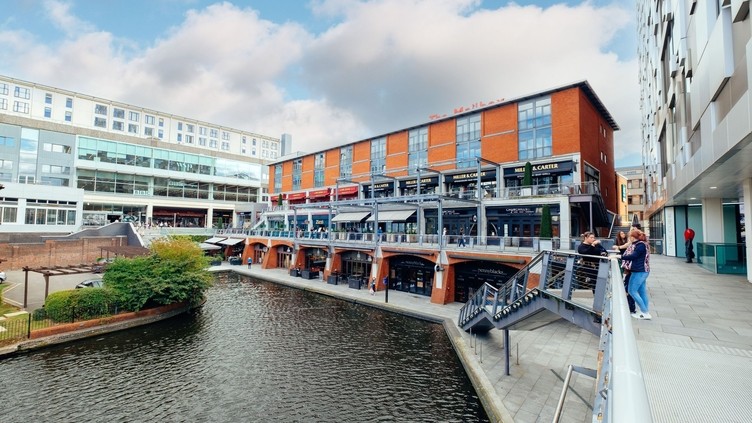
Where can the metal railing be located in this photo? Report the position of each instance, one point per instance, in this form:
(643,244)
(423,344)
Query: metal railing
(621,394)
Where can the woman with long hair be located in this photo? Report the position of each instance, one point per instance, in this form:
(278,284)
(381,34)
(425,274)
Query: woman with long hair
(621,242)
(636,259)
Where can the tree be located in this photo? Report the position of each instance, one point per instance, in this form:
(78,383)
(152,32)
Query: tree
(546,230)
(175,271)
(527,179)
(279,199)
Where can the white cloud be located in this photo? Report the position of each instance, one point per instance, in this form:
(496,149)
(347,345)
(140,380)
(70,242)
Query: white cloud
(385,65)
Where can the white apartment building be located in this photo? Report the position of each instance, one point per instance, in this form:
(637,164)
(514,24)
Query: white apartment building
(695,76)
(115,161)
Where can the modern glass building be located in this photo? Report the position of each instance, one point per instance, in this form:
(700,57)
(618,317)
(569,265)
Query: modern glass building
(69,160)
(695,92)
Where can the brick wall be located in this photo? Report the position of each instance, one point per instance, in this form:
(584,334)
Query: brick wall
(56,252)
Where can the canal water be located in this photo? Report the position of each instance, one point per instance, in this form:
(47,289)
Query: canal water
(256,352)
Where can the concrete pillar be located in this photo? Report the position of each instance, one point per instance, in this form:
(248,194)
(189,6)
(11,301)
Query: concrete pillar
(712,220)
(209,214)
(565,223)
(747,210)
(150,213)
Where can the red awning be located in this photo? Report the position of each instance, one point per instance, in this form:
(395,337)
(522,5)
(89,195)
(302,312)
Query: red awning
(348,190)
(295,196)
(319,193)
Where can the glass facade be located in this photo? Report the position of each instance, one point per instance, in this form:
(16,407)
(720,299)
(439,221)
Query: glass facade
(378,155)
(417,144)
(468,140)
(534,122)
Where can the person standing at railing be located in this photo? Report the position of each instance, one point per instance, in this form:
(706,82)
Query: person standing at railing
(461,240)
(589,247)
(620,246)
(636,259)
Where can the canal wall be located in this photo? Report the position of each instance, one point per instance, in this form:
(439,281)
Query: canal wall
(60,334)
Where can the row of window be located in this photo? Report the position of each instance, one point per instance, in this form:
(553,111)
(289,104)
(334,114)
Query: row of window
(111,182)
(534,141)
(133,155)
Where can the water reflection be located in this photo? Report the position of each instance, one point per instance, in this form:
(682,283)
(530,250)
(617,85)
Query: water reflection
(255,352)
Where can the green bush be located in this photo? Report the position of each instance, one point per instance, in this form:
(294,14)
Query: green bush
(174,272)
(78,304)
(94,302)
(39,314)
(59,306)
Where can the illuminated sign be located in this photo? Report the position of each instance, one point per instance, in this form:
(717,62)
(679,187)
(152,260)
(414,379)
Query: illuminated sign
(468,108)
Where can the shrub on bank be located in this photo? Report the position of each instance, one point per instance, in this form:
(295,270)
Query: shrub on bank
(174,272)
(78,304)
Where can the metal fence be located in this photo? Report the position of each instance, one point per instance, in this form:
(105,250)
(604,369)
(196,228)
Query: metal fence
(20,327)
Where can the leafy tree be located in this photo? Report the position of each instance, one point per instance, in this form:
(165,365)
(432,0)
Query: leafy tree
(546,230)
(175,271)
(527,179)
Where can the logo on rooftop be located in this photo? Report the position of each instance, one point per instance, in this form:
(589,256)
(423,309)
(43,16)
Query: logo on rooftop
(469,108)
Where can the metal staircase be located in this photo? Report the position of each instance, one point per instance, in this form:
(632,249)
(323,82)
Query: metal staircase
(554,285)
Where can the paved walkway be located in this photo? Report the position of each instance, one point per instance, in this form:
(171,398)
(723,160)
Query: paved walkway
(696,353)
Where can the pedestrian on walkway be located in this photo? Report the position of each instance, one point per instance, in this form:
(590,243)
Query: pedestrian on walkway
(637,260)
(250,261)
(689,237)
(461,240)
(373,286)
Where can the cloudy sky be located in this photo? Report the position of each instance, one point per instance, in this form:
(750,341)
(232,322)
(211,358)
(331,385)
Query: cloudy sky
(326,71)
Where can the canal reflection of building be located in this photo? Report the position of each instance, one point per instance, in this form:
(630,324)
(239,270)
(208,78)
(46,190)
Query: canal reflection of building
(470,276)
(411,274)
(356,264)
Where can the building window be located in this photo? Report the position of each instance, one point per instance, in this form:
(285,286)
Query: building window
(22,92)
(117,125)
(132,128)
(201,130)
(378,155)
(212,143)
(69,102)
(214,133)
(160,134)
(202,141)
(417,147)
(180,126)
(297,172)
(133,116)
(242,150)
(48,98)
(253,152)
(253,141)
(149,119)
(189,139)
(188,128)
(225,146)
(21,107)
(3,104)
(56,148)
(278,179)
(180,137)
(118,113)
(149,132)
(225,136)
(319,165)
(161,122)
(48,112)
(100,122)
(100,109)
(3,88)
(534,127)
(345,161)
(68,116)
(468,140)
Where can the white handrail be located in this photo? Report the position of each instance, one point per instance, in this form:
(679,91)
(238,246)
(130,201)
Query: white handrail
(628,398)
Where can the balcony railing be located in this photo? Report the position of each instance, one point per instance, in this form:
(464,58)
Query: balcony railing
(722,258)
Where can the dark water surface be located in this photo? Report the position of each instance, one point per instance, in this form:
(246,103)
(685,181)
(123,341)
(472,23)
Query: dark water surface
(256,352)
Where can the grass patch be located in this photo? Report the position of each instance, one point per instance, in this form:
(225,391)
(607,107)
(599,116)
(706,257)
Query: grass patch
(6,308)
